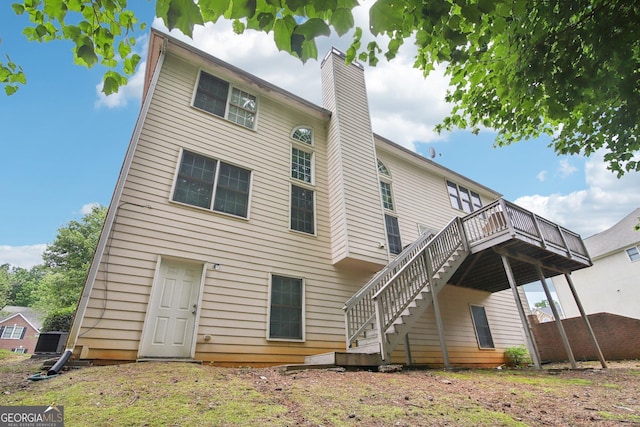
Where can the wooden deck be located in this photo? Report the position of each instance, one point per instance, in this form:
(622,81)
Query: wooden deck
(503,228)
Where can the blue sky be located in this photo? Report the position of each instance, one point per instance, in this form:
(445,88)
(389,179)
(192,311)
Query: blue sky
(63,143)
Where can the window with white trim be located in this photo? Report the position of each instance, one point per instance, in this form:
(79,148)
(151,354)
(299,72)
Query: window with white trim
(212,184)
(218,97)
(302,209)
(303,134)
(286,315)
(462,198)
(633,253)
(481,325)
(387,197)
(393,234)
(14,332)
(21,350)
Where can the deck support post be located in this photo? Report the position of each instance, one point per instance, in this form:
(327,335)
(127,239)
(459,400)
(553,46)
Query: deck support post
(407,349)
(556,315)
(435,290)
(586,320)
(523,317)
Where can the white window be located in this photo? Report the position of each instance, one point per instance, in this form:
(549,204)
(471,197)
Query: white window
(481,325)
(286,314)
(303,134)
(19,350)
(387,197)
(633,253)
(220,98)
(393,234)
(211,184)
(13,332)
(302,208)
(462,198)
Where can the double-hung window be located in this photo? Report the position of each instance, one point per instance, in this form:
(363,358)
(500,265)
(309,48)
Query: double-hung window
(390,220)
(462,198)
(212,184)
(286,316)
(633,253)
(302,213)
(481,325)
(14,332)
(220,98)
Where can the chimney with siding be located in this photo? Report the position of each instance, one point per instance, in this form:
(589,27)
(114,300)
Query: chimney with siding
(358,236)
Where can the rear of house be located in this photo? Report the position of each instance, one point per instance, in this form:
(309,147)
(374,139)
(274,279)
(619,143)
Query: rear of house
(245,217)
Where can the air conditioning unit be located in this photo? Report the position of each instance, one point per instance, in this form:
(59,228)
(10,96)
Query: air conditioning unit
(51,342)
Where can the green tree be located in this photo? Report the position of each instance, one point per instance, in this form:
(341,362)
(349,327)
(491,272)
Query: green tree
(564,68)
(23,284)
(4,284)
(67,261)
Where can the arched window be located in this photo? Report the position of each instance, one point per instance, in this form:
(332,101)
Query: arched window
(303,134)
(382,169)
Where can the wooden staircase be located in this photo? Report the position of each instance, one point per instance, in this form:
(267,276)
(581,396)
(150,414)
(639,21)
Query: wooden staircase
(380,315)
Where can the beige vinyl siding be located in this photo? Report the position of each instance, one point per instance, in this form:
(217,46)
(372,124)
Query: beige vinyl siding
(233,306)
(460,335)
(419,192)
(356,213)
(233,322)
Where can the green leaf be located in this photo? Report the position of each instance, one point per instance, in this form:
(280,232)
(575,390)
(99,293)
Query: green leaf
(282,31)
(265,21)
(313,28)
(342,20)
(180,14)
(85,52)
(385,16)
(325,5)
(242,9)
(123,49)
(10,90)
(56,9)
(294,5)
(18,9)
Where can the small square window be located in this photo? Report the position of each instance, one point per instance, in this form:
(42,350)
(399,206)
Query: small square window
(633,253)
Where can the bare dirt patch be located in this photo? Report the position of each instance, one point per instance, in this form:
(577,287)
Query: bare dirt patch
(151,394)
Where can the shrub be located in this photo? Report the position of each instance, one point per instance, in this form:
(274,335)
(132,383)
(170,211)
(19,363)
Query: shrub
(517,357)
(59,320)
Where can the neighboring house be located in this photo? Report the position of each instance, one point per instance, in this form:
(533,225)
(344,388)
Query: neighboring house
(251,227)
(612,285)
(19,329)
(543,314)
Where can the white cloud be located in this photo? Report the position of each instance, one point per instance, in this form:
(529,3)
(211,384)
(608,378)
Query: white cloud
(565,168)
(87,208)
(22,256)
(541,176)
(605,200)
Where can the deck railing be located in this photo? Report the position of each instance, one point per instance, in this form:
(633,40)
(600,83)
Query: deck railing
(401,280)
(383,299)
(401,289)
(502,217)
(360,310)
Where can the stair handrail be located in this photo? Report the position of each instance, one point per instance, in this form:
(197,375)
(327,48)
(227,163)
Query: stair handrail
(359,309)
(448,240)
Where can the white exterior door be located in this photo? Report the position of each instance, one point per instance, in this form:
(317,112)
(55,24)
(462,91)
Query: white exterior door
(170,323)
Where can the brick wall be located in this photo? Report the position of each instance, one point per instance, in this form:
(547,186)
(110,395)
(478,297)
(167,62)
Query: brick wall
(28,341)
(618,337)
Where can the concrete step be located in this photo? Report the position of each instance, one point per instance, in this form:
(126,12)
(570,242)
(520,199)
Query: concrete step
(335,358)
